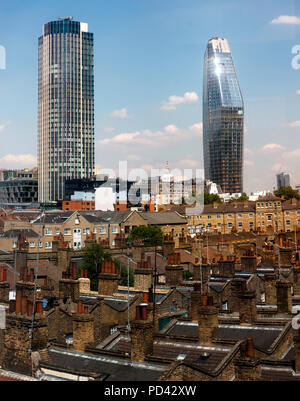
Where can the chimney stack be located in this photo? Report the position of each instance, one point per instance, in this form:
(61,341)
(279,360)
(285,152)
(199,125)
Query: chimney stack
(208,324)
(195,301)
(143,275)
(69,285)
(4,285)
(141,335)
(247,305)
(84,283)
(83,328)
(108,280)
(247,366)
(174,270)
(284,296)
(270,288)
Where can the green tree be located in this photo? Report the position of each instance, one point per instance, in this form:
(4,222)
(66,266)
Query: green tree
(287,193)
(92,259)
(211,198)
(150,235)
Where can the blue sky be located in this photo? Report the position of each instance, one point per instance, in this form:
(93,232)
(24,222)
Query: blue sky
(147,51)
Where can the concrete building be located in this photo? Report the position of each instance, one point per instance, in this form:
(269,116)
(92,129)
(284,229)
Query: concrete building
(65,106)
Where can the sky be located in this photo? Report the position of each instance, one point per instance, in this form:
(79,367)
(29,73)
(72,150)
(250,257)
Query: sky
(148,80)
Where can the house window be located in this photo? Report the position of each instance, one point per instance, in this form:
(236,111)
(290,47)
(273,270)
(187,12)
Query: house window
(102,230)
(224,305)
(239,216)
(67,231)
(95,230)
(251,224)
(269,217)
(14,244)
(229,216)
(258,205)
(48,231)
(48,245)
(40,244)
(218,217)
(250,215)
(209,217)
(229,225)
(77,220)
(262,223)
(57,231)
(240,224)
(288,222)
(115,230)
(31,244)
(262,297)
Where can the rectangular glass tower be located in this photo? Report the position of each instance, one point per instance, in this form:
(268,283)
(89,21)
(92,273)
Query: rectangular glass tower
(65,106)
(223,118)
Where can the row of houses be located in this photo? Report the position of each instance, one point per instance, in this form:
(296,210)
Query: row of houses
(267,213)
(74,227)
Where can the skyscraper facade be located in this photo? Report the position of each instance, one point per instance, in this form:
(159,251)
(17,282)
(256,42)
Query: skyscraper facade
(283,180)
(223,118)
(65,106)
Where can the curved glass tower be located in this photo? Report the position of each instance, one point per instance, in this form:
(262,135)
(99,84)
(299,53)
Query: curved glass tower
(223,118)
(65,106)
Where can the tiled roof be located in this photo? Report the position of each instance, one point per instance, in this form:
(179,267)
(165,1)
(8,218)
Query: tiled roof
(270,197)
(291,205)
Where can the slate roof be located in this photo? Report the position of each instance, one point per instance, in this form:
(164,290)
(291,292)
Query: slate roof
(170,350)
(16,232)
(54,217)
(119,305)
(46,268)
(110,367)
(163,218)
(111,217)
(290,205)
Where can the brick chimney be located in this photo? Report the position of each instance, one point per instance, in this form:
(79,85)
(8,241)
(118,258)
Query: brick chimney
(270,288)
(285,253)
(284,296)
(174,270)
(84,282)
(83,328)
(296,279)
(4,285)
(247,305)
(108,280)
(26,282)
(141,335)
(248,263)
(15,355)
(247,367)
(226,267)
(235,290)
(143,275)
(69,285)
(208,325)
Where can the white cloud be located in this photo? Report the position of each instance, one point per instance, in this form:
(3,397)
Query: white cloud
(273,147)
(24,160)
(121,114)
(298,92)
(248,152)
(174,100)
(169,135)
(249,163)
(294,124)
(4,125)
(286,19)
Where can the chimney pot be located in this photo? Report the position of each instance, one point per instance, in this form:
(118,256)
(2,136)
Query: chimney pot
(79,306)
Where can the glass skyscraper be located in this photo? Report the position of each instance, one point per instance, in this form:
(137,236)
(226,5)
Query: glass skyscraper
(223,118)
(65,106)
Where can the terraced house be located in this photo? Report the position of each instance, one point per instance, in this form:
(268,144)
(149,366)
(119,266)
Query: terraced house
(75,227)
(267,213)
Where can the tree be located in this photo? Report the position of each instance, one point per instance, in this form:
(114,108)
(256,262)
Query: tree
(287,193)
(211,198)
(92,259)
(243,197)
(150,235)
